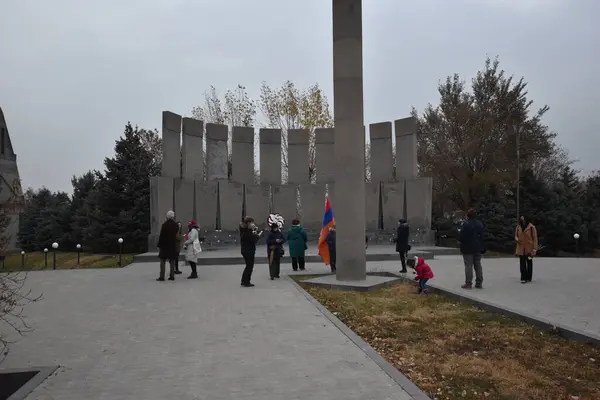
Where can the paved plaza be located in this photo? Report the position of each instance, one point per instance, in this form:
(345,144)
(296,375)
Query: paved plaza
(119,334)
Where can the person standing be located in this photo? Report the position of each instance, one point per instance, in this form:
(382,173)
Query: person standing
(402,246)
(249,235)
(275,242)
(192,248)
(527,245)
(297,242)
(330,240)
(472,248)
(167,246)
(178,238)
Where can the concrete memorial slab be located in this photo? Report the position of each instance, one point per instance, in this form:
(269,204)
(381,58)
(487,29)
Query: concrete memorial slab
(192,152)
(284,201)
(406,148)
(258,202)
(324,155)
(312,201)
(216,151)
(171,142)
(242,155)
(206,203)
(382,164)
(270,156)
(298,156)
(230,204)
(184,200)
(392,195)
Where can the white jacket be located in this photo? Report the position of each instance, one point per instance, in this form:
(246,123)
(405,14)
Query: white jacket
(190,254)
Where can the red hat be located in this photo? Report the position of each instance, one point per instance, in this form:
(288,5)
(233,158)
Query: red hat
(192,223)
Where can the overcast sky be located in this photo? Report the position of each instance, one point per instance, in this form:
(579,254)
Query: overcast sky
(72,72)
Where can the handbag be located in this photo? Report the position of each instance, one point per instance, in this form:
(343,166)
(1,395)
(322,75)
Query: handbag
(197,246)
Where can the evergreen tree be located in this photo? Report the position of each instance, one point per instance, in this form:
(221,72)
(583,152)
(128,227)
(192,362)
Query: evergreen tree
(82,206)
(120,208)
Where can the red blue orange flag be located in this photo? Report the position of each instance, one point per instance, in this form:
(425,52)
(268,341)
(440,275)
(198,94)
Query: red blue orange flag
(328,222)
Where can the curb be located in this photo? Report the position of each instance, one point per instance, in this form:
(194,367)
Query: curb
(236,260)
(401,380)
(542,324)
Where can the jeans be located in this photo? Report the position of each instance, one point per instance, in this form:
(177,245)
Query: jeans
(526,265)
(163,262)
(473,261)
(249,260)
(297,261)
(423,284)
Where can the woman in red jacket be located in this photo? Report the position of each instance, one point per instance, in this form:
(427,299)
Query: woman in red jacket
(424,273)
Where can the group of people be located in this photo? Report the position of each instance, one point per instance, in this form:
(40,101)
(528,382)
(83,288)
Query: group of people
(171,241)
(250,234)
(472,247)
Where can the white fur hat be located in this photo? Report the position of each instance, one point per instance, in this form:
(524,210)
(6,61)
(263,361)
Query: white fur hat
(170,214)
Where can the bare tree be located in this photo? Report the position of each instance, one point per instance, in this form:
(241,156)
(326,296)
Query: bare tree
(291,108)
(13,294)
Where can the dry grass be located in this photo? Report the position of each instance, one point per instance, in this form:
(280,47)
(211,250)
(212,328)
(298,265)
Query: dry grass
(36,261)
(456,351)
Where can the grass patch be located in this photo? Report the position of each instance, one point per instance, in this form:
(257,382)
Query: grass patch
(453,350)
(64,260)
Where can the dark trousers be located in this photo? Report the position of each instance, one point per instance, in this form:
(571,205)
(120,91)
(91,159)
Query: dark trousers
(163,262)
(423,284)
(194,270)
(297,261)
(403,260)
(249,260)
(177,263)
(526,265)
(274,262)
(332,260)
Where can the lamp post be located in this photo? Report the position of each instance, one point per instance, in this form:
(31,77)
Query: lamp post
(54,247)
(518,138)
(576,237)
(22,258)
(46,257)
(120,251)
(78,252)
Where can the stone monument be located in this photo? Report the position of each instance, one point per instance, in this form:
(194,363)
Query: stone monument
(349,139)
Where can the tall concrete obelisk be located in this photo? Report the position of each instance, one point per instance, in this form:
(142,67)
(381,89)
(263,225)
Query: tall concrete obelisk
(349,147)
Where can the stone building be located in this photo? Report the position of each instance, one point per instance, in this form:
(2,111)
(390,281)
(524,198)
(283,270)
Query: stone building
(11,195)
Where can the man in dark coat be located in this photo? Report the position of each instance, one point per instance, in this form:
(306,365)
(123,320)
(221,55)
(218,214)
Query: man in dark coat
(402,246)
(472,247)
(249,235)
(167,246)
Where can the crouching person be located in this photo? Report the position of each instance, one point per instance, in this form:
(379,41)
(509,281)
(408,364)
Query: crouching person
(424,274)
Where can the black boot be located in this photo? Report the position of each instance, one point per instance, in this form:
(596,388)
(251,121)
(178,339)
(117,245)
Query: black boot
(193,276)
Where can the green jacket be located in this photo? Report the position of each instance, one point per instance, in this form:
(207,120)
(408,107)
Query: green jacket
(297,239)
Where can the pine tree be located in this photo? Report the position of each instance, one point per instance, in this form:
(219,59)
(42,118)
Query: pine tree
(122,202)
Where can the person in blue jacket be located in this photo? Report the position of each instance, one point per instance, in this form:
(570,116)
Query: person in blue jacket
(275,242)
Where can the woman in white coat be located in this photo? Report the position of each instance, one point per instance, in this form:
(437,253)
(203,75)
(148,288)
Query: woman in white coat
(192,248)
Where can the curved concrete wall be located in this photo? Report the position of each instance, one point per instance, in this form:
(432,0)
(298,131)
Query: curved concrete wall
(217,202)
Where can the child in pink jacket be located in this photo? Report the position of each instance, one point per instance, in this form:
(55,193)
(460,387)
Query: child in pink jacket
(424,273)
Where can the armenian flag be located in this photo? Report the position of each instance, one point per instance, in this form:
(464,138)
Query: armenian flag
(328,222)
